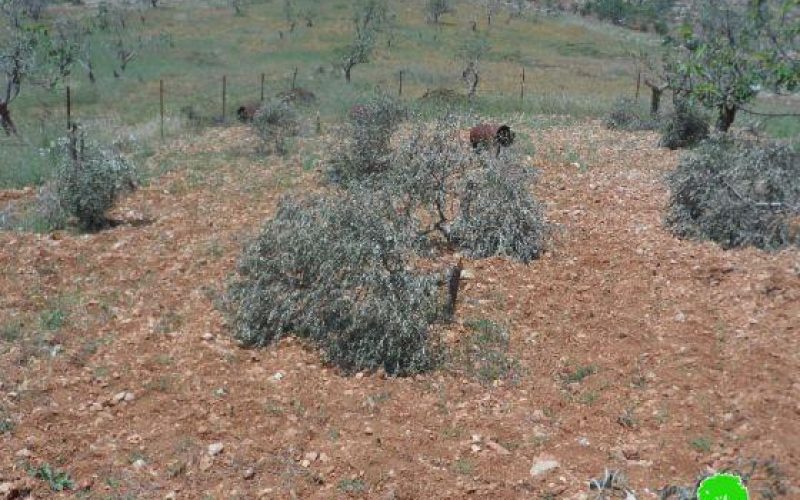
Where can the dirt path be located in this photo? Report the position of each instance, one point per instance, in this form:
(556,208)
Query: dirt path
(694,353)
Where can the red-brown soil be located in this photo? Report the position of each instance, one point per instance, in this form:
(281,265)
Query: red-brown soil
(697,348)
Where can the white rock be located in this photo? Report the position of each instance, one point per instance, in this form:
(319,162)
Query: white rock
(215,449)
(129,397)
(680,317)
(543,465)
(277,377)
(139,464)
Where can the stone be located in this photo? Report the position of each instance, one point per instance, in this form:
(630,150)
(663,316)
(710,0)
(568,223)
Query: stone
(542,465)
(205,462)
(498,448)
(311,456)
(215,449)
(249,473)
(138,464)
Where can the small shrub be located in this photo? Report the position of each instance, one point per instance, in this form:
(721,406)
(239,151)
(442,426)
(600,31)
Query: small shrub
(626,114)
(275,122)
(87,183)
(336,270)
(684,128)
(363,145)
(737,194)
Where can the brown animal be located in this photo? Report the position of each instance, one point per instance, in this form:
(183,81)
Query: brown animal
(247,112)
(487,134)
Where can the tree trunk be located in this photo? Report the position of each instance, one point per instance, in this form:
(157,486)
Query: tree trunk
(726,116)
(454,281)
(347,73)
(655,100)
(5,119)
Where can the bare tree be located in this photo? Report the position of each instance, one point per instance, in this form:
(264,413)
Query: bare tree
(16,59)
(126,41)
(370,18)
(290,13)
(237,6)
(472,51)
(435,9)
(65,45)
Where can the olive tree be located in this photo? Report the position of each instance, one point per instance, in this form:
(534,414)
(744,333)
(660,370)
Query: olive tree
(728,52)
(370,17)
(435,9)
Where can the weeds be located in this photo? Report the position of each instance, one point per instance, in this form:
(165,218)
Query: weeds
(57,480)
(352,486)
(483,355)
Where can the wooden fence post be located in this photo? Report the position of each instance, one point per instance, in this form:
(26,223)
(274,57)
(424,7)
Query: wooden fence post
(69,107)
(224,94)
(400,89)
(522,85)
(638,83)
(262,87)
(294,78)
(161,105)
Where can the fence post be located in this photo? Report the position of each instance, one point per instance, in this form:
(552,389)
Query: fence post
(400,89)
(638,83)
(522,85)
(262,87)
(161,105)
(294,78)
(69,108)
(224,94)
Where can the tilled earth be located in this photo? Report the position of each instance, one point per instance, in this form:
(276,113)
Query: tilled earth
(639,352)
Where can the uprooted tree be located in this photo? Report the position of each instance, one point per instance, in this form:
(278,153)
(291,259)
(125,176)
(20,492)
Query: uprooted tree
(737,194)
(365,270)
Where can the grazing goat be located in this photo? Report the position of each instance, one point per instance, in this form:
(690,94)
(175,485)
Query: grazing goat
(486,135)
(247,112)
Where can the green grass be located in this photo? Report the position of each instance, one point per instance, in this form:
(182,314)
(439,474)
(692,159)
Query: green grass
(580,373)
(352,485)
(57,480)
(483,355)
(463,467)
(701,444)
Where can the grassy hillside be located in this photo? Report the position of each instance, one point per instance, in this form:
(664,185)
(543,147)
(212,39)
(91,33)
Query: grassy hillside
(572,68)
